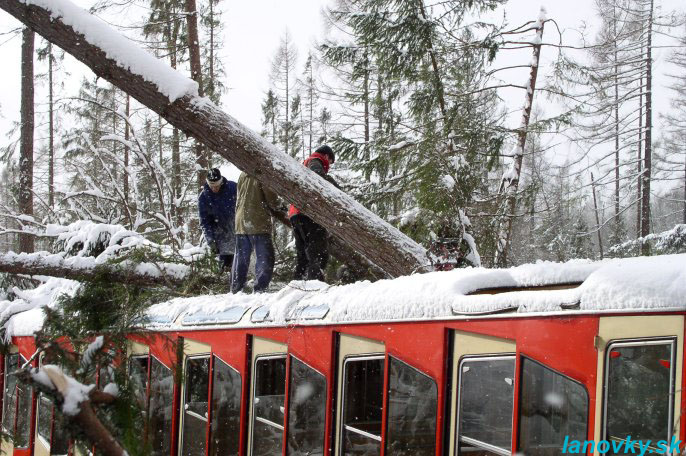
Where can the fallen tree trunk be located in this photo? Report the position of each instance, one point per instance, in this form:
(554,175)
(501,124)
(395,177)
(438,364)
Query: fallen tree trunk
(149,81)
(358,263)
(85,269)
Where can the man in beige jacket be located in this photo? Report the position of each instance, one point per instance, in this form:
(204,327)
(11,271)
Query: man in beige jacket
(253,231)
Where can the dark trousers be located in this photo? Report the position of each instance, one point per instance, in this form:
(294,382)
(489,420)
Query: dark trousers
(311,248)
(264,261)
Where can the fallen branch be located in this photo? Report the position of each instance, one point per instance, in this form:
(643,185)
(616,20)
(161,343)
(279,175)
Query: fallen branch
(85,269)
(57,385)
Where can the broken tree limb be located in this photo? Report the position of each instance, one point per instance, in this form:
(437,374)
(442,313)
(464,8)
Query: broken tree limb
(510,180)
(385,246)
(85,417)
(85,269)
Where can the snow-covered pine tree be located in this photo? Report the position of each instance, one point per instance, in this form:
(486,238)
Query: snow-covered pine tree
(270,116)
(674,160)
(436,136)
(283,84)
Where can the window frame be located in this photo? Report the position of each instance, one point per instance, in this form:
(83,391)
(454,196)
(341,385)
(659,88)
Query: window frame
(184,391)
(21,360)
(520,390)
(210,409)
(40,398)
(640,342)
(6,392)
(254,417)
(469,440)
(343,426)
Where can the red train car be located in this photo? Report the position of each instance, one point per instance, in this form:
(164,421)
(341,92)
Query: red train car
(542,359)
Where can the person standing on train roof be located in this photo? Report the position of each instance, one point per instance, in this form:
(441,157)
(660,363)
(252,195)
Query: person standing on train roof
(311,246)
(217,211)
(253,232)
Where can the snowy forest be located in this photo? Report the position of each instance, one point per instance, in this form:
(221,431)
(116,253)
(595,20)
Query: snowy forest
(411,103)
(463,139)
(412,98)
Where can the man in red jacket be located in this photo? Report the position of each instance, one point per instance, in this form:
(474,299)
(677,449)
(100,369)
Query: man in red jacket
(310,238)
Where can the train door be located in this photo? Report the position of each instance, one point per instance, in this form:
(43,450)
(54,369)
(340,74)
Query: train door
(482,395)
(17,404)
(267,398)
(195,398)
(640,361)
(153,384)
(359,395)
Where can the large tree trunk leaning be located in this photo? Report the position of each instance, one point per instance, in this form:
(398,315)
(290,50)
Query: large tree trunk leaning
(25,196)
(359,264)
(510,182)
(341,215)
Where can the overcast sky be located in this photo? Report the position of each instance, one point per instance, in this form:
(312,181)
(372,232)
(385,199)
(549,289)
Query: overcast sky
(252,32)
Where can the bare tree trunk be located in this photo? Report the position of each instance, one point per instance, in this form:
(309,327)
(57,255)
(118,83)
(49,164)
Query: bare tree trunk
(25,196)
(311,106)
(366,104)
(393,252)
(51,133)
(196,75)
(616,103)
(639,157)
(211,84)
(510,183)
(647,159)
(126,151)
(597,217)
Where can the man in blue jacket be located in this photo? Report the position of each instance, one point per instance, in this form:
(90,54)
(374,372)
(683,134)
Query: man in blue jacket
(217,211)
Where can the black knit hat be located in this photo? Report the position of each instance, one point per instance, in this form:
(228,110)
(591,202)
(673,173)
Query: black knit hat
(214,176)
(326,150)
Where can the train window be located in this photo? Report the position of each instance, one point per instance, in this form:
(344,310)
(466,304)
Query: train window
(639,377)
(138,378)
(362,405)
(552,407)
(412,407)
(486,401)
(160,408)
(306,410)
(226,410)
(195,406)
(10,393)
(44,418)
(18,398)
(268,405)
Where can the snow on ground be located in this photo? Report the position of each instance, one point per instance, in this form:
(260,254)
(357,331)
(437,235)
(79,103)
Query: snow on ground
(636,284)
(125,52)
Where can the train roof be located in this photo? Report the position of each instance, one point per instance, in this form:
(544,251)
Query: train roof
(643,284)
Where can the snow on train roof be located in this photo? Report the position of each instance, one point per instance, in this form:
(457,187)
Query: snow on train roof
(645,283)
(635,284)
